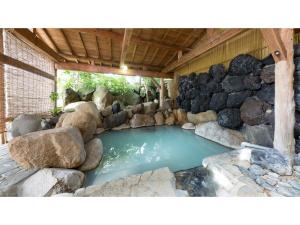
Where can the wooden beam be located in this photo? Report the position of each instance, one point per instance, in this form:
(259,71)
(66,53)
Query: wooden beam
(202,48)
(107,69)
(125,45)
(282,40)
(47,38)
(68,43)
(28,37)
(119,37)
(21,65)
(2,93)
(275,43)
(161,92)
(155,83)
(110,62)
(98,48)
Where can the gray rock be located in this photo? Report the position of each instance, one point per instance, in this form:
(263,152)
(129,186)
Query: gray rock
(51,181)
(24,124)
(259,134)
(297,159)
(150,107)
(271,159)
(262,182)
(295,184)
(107,111)
(288,191)
(271,180)
(115,120)
(257,170)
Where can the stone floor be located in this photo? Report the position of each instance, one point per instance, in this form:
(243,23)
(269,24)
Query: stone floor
(238,174)
(10,172)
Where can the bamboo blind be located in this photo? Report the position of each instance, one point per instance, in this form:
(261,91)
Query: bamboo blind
(2,97)
(26,92)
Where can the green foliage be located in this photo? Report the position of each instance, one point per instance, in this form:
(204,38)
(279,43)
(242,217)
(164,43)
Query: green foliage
(53,96)
(89,81)
(55,111)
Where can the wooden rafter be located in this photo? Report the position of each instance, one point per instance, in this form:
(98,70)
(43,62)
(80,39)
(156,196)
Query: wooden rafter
(145,53)
(28,37)
(109,62)
(138,40)
(113,70)
(84,47)
(125,45)
(98,48)
(68,44)
(275,43)
(157,49)
(47,38)
(133,53)
(203,47)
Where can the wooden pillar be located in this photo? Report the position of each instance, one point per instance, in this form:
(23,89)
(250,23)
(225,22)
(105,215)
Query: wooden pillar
(280,42)
(55,87)
(2,94)
(162,92)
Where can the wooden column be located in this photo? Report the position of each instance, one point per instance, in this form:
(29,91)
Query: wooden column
(162,92)
(280,42)
(55,87)
(2,94)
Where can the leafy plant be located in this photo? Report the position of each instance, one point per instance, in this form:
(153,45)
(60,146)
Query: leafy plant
(53,96)
(55,111)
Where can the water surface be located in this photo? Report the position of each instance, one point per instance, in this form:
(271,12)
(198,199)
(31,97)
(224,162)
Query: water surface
(134,151)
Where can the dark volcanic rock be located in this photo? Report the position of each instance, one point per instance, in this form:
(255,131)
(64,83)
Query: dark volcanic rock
(195,181)
(115,120)
(116,107)
(236,99)
(214,87)
(217,72)
(252,82)
(233,83)
(229,118)
(218,101)
(253,111)
(268,74)
(267,93)
(268,60)
(200,103)
(202,78)
(186,105)
(245,64)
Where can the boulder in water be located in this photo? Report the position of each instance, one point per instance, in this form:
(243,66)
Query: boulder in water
(141,120)
(230,118)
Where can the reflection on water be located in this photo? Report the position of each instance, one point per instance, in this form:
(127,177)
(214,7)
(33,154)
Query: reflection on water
(135,151)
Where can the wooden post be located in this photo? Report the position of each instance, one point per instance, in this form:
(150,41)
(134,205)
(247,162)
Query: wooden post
(55,87)
(2,94)
(280,42)
(162,92)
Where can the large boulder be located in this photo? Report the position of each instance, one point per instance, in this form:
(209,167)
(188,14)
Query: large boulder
(209,115)
(230,118)
(107,111)
(200,103)
(233,84)
(217,72)
(253,111)
(236,99)
(157,183)
(150,107)
(159,118)
(71,96)
(50,181)
(61,147)
(245,64)
(115,120)
(259,134)
(24,124)
(102,98)
(116,107)
(268,74)
(218,101)
(170,120)
(180,116)
(135,108)
(71,107)
(267,93)
(167,104)
(252,82)
(90,107)
(94,152)
(84,121)
(141,120)
(213,131)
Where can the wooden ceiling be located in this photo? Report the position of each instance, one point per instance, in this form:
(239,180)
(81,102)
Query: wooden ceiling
(151,50)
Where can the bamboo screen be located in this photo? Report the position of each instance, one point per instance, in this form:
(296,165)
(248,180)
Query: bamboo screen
(26,92)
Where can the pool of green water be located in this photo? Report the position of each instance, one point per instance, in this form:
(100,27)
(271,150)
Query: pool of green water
(134,151)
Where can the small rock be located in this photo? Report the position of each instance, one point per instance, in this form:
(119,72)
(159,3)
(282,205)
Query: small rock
(150,107)
(122,127)
(296,168)
(170,120)
(159,119)
(107,111)
(99,130)
(141,120)
(24,124)
(115,120)
(188,126)
(207,116)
